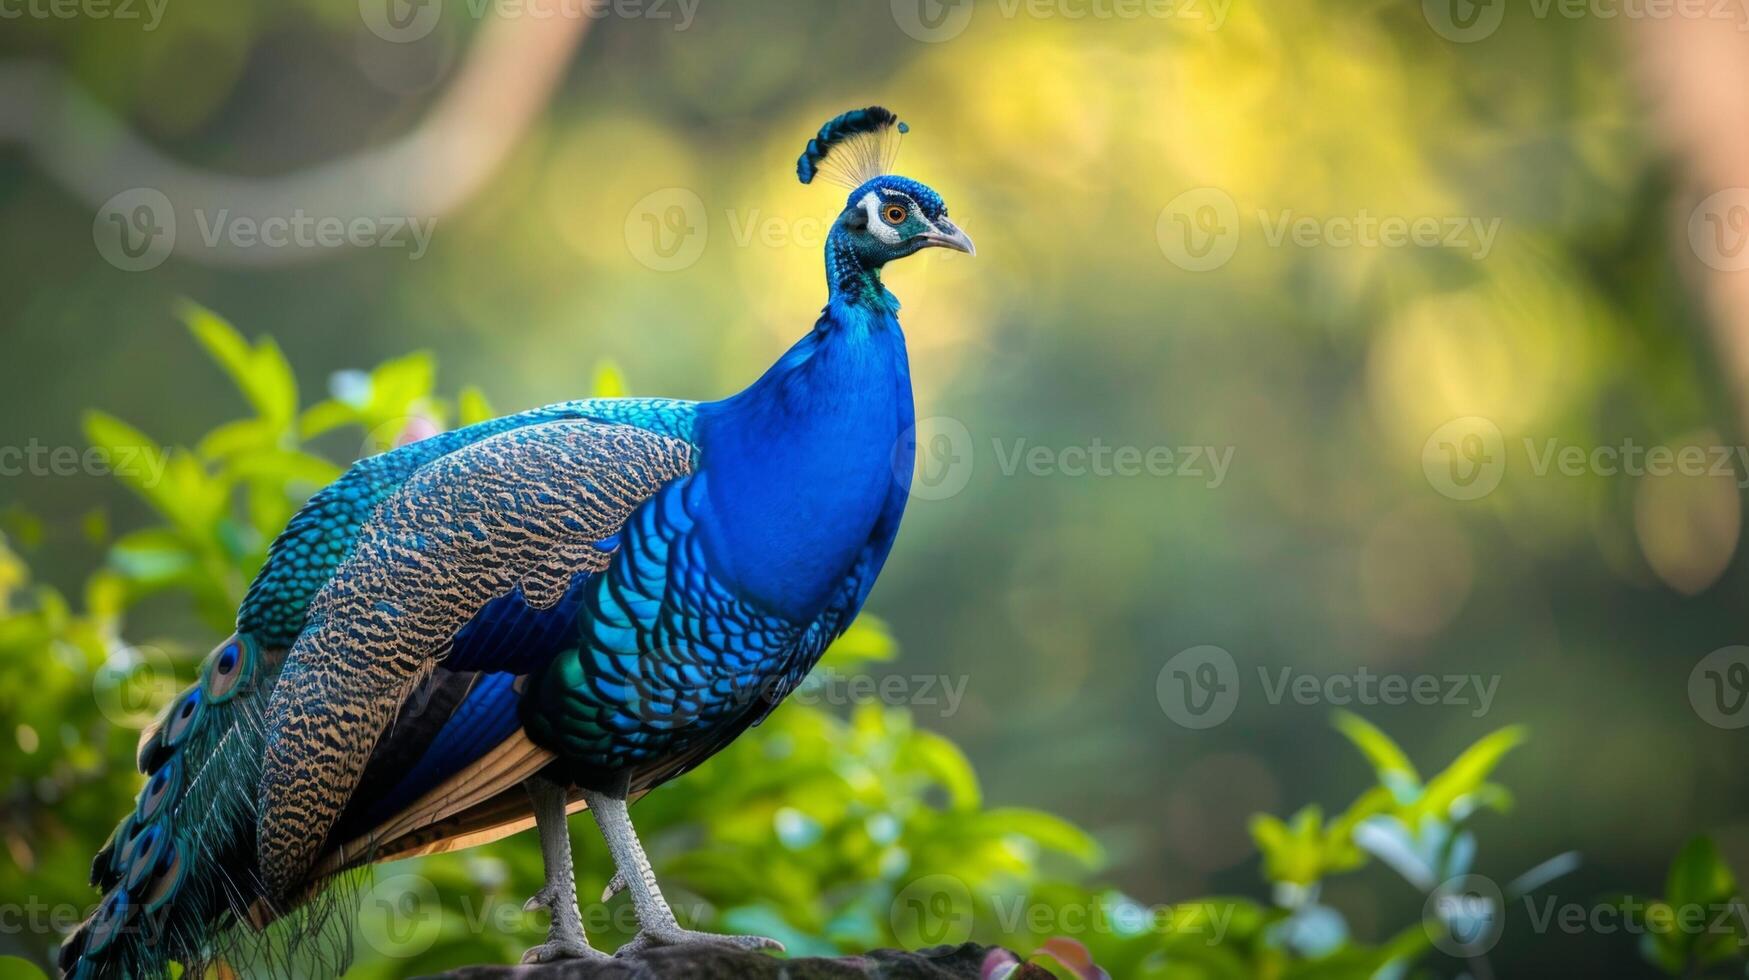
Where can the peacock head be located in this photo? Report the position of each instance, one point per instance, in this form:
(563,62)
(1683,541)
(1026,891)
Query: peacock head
(886,217)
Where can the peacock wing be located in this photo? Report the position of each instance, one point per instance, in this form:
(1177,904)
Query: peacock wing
(524,512)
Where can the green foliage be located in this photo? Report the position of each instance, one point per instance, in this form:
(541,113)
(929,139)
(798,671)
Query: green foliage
(1417,828)
(1701,925)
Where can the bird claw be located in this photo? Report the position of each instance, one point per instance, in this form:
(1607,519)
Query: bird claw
(615,885)
(542,899)
(676,936)
(561,949)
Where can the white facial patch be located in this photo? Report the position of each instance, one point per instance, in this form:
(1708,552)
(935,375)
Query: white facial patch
(871,203)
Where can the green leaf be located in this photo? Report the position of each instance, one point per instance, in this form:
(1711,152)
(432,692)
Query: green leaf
(1699,875)
(1468,773)
(947,765)
(273,388)
(472,406)
(285,466)
(166,491)
(1387,758)
(1292,852)
(1049,832)
(866,641)
(326,416)
(221,340)
(398,384)
(238,436)
(609,381)
(261,372)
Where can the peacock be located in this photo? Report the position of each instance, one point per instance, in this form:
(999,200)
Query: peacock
(498,626)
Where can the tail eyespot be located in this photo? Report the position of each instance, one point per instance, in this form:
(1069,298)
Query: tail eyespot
(169,878)
(144,855)
(159,789)
(152,750)
(107,921)
(182,718)
(227,668)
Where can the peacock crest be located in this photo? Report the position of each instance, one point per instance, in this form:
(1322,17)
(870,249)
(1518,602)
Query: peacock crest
(853,148)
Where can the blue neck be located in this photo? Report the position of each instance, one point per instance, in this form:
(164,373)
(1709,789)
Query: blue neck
(799,468)
(851,281)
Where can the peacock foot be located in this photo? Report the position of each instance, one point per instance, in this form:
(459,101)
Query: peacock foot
(543,899)
(676,936)
(561,949)
(564,941)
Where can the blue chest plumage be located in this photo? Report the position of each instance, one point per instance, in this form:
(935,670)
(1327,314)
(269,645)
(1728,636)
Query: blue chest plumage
(802,466)
(728,585)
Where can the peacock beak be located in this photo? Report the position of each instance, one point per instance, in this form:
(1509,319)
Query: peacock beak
(949,235)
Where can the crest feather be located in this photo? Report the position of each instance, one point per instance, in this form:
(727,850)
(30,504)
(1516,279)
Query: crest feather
(853,148)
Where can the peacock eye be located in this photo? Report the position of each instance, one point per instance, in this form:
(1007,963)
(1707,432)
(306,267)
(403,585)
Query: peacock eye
(895,214)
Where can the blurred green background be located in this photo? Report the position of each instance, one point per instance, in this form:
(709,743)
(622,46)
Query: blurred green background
(1136,182)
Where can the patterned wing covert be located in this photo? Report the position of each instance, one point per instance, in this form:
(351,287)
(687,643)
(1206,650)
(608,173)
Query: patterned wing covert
(519,512)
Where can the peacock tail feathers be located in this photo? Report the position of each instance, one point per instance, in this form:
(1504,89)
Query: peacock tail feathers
(179,871)
(853,148)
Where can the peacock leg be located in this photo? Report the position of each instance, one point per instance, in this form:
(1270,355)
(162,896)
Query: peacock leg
(565,939)
(656,923)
